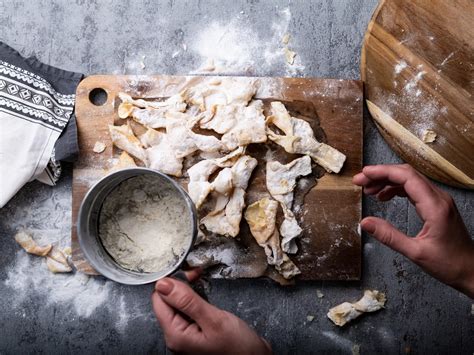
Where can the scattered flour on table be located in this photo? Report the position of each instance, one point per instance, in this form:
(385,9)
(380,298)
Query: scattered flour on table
(341,342)
(75,295)
(237,48)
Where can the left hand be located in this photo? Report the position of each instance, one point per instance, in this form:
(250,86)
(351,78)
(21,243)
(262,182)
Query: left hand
(191,325)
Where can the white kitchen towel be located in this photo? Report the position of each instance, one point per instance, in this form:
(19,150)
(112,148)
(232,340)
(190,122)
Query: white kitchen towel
(36,103)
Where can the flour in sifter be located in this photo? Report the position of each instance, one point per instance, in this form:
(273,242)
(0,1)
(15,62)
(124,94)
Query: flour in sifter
(145,224)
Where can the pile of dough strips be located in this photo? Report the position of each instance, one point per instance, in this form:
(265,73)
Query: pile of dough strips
(226,106)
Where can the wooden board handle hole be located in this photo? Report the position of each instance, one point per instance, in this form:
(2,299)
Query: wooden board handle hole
(98,96)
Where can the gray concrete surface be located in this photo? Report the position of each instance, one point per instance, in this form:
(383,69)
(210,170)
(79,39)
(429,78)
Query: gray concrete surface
(38,315)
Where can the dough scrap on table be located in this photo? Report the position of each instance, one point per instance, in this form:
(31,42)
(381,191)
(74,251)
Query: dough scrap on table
(289,55)
(57,261)
(372,301)
(299,139)
(30,246)
(261,218)
(281,181)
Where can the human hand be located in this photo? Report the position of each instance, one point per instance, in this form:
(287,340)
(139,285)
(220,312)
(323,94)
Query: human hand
(443,247)
(191,325)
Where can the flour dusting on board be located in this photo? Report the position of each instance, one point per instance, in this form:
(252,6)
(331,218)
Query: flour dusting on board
(76,295)
(400,66)
(412,84)
(414,100)
(237,48)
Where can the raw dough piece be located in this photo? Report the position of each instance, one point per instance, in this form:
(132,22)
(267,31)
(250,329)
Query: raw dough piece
(165,151)
(150,138)
(261,217)
(345,312)
(240,125)
(162,157)
(124,161)
(26,242)
(124,138)
(208,66)
(173,103)
(289,55)
(57,267)
(299,138)
(228,91)
(168,150)
(99,147)
(57,261)
(145,226)
(151,114)
(226,216)
(184,141)
(429,136)
(199,186)
(281,181)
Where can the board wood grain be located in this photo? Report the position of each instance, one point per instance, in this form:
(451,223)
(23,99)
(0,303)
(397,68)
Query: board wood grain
(330,247)
(416,65)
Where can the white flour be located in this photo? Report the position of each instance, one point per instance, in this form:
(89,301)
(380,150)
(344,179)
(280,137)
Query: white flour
(145,225)
(237,48)
(412,84)
(75,295)
(400,66)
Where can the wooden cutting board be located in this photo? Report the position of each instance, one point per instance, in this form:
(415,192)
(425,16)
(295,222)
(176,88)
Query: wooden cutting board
(329,212)
(417,67)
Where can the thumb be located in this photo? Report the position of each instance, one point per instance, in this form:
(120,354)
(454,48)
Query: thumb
(387,234)
(181,297)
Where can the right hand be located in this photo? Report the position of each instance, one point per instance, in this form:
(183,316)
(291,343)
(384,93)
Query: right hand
(443,247)
(193,326)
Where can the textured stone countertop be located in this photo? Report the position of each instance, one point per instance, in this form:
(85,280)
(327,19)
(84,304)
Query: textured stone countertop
(74,314)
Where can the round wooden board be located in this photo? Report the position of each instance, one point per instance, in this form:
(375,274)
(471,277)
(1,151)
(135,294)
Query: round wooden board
(417,67)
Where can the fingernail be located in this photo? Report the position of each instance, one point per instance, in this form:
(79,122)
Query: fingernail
(368,226)
(164,287)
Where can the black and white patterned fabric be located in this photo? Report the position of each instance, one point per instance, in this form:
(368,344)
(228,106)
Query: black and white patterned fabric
(37,128)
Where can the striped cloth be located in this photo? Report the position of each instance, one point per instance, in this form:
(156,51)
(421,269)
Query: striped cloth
(37,126)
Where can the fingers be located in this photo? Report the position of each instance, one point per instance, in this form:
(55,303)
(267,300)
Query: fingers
(170,321)
(389,192)
(424,195)
(416,187)
(193,274)
(387,234)
(181,297)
